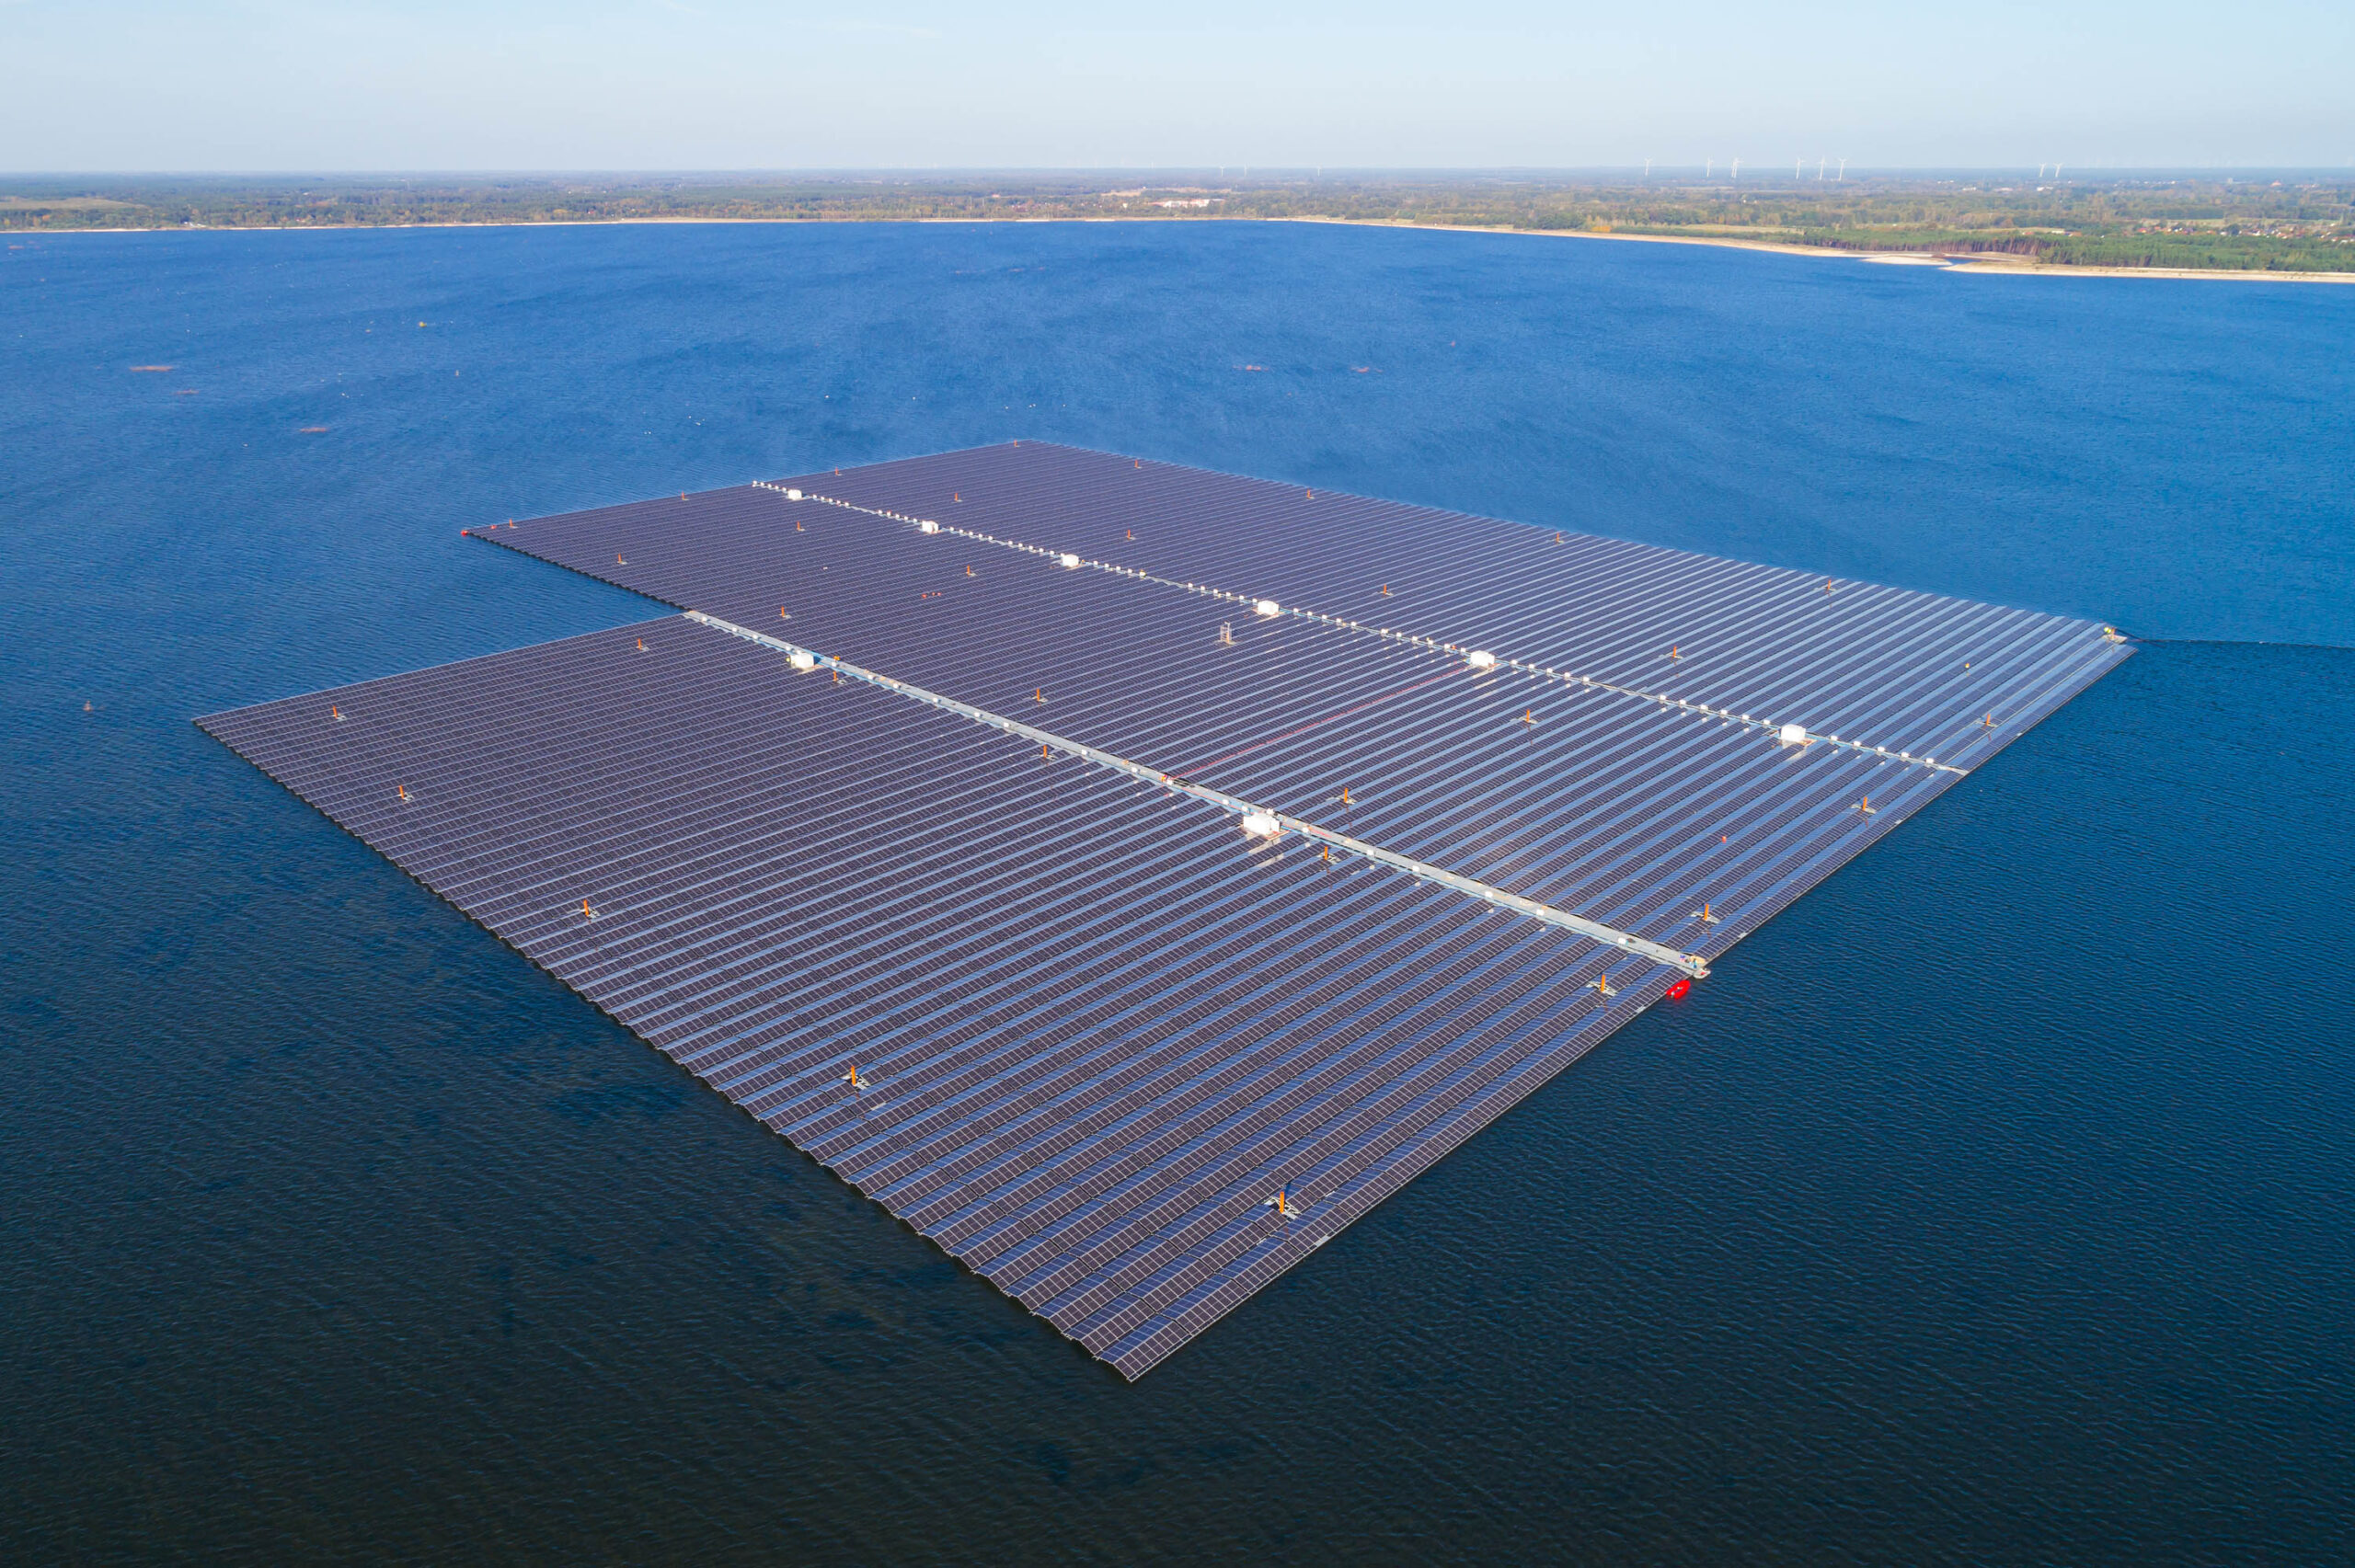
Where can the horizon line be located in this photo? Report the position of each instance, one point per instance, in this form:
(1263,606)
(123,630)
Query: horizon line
(1232,171)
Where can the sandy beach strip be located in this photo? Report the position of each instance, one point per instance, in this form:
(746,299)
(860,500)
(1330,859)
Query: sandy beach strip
(1981,263)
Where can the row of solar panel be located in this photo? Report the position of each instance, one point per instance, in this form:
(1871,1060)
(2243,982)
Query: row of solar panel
(872,594)
(1842,657)
(1075,1027)
(1094,1030)
(1626,811)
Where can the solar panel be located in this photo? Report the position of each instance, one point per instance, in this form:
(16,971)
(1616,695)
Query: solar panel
(1842,657)
(1093,1028)
(924,836)
(1637,789)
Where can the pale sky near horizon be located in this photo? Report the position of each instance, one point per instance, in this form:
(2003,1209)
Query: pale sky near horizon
(274,85)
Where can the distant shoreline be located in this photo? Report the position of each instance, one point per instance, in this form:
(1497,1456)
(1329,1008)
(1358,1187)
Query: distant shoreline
(1980,264)
(1983,264)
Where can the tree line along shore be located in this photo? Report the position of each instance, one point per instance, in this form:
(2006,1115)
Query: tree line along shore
(2205,222)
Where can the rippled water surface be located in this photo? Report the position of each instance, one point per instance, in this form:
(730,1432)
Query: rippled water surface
(1989,1206)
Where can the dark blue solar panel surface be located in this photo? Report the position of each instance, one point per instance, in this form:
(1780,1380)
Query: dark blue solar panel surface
(1880,664)
(1633,805)
(1097,1027)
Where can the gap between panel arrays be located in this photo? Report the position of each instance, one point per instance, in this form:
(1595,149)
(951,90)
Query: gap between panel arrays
(936,925)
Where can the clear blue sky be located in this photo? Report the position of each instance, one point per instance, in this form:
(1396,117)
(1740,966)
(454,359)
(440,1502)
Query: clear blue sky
(257,84)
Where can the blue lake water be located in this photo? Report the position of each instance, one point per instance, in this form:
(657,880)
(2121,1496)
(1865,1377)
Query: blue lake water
(1990,1205)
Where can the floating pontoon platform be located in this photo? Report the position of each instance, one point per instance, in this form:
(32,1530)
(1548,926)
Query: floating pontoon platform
(1075,853)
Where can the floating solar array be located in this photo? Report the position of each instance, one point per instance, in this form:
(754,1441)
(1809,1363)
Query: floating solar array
(1130,875)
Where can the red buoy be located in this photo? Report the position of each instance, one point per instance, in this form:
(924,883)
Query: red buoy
(1676,992)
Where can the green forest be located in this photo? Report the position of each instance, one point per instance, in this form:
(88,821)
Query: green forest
(2290,221)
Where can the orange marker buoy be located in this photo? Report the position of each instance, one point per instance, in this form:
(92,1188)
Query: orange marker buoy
(1039,695)
(619,562)
(334,712)
(1864,805)
(1673,653)
(969,571)
(1386,591)
(402,790)
(1723,840)
(1312,495)
(586,912)
(85,708)
(1557,536)
(1345,794)
(798,529)
(1044,755)
(642,645)
(1987,723)
(783,613)
(1132,534)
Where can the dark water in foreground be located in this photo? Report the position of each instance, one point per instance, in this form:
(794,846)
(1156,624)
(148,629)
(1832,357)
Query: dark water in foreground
(1989,1206)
